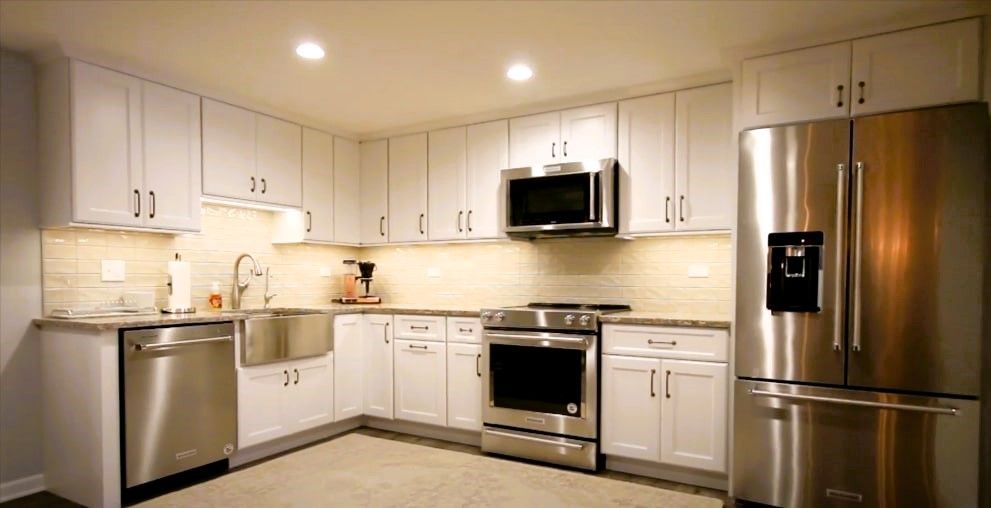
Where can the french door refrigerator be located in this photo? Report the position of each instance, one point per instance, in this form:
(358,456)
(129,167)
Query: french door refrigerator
(860,280)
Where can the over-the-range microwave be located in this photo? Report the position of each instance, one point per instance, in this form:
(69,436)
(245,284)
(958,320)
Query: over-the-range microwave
(570,199)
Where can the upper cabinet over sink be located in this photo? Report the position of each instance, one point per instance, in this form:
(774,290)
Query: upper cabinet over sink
(116,150)
(928,66)
(586,133)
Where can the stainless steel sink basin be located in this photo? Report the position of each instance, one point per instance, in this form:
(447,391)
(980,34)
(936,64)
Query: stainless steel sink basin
(273,335)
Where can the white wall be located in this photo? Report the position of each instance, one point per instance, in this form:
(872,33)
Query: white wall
(20,277)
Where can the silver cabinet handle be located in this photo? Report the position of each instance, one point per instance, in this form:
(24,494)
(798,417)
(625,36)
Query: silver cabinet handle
(421,223)
(667,385)
(140,346)
(667,209)
(668,342)
(460,215)
(478,370)
(553,144)
(652,372)
(382,225)
(414,346)
(565,149)
(252,184)
(469,221)
(839,96)
(286,373)
(137,201)
(858,229)
(296,381)
(861,85)
(952,411)
(385,333)
(152,204)
(841,203)
(532,439)
(681,208)
(309,221)
(264,186)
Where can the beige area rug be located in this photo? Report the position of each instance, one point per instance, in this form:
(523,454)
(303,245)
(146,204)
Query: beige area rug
(357,470)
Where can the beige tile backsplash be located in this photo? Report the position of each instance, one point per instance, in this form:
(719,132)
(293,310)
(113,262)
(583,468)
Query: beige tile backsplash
(647,273)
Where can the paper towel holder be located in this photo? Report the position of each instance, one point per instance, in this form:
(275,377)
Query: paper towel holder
(176,310)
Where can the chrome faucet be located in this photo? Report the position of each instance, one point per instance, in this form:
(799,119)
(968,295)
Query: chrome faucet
(268,297)
(241,285)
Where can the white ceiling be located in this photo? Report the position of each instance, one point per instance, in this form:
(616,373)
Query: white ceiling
(392,64)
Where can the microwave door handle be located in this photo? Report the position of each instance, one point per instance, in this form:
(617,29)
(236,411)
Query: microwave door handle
(591,197)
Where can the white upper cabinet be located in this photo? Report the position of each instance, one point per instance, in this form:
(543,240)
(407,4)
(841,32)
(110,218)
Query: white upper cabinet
(347,206)
(705,176)
(421,381)
(228,151)
(535,140)
(279,161)
(374,191)
(927,66)
(631,407)
(646,159)
(106,147)
(348,372)
(318,185)
(808,84)
(487,156)
(408,188)
(693,414)
(378,364)
(464,386)
(588,133)
(446,189)
(172,174)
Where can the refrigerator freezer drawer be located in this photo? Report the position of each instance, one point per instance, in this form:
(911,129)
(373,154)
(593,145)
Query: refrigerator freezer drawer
(798,446)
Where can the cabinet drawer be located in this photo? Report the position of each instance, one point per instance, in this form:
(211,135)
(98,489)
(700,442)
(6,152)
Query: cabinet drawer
(420,327)
(705,344)
(464,330)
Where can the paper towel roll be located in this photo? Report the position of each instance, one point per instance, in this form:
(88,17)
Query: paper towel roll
(180,293)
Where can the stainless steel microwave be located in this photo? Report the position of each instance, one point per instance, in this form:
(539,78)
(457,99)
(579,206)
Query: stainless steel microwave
(571,199)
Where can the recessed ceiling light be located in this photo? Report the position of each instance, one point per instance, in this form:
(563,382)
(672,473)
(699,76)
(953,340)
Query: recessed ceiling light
(309,51)
(519,72)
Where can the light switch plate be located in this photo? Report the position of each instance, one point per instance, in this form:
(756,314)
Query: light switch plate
(112,270)
(433,273)
(698,271)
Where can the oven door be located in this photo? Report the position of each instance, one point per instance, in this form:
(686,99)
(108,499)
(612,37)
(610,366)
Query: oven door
(541,381)
(568,197)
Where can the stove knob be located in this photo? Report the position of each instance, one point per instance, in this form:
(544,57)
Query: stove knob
(569,319)
(486,316)
(500,316)
(585,320)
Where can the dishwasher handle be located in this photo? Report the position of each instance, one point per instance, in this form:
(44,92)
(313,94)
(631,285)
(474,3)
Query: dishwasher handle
(140,346)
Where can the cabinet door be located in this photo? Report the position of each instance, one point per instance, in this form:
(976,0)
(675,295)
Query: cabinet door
(535,140)
(310,402)
(646,160)
(464,386)
(408,188)
(938,64)
(318,185)
(421,382)
(106,147)
(446,187)
(631,407)
(229,151)
(280,166)
(588,133)
(808,84)
(348,359)
(172,174)
(705,176)
(693,414)
(374,185)
(347,206)
(377,343)
(261,403)
(488,155)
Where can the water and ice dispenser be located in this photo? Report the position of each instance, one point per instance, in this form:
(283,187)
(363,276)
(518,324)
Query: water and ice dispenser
(794,271)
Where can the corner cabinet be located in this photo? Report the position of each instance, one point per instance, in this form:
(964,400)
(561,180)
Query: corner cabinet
(374,191)
(116,150)
(347,184)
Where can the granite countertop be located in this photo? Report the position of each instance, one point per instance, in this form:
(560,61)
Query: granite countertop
(117,322)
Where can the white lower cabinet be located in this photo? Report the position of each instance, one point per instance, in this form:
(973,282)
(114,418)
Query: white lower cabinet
(464,386)
(631,407)
(377,343)
(283,398)
(348,360)
(420,381)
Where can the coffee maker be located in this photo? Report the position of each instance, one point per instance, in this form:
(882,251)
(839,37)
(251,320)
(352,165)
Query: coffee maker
(366,269)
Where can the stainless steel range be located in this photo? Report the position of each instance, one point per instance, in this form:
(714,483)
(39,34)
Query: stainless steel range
(541,382)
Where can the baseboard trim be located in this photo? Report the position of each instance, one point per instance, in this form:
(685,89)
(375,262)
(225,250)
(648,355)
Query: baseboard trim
(706,479)
(21,487)
(466,437)
(281,445)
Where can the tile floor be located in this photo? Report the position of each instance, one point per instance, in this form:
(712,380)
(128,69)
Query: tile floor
(47,500)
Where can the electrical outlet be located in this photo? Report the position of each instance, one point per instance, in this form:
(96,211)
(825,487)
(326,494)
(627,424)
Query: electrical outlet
(698,271)
(112,270)
(325,271)
(433,273)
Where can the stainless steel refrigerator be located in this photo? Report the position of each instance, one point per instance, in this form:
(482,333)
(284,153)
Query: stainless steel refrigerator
(859,314)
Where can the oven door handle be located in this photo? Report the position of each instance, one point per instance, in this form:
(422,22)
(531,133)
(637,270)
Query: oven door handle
(532,439)
(535,340)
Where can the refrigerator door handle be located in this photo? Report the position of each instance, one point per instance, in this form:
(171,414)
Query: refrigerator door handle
(951,411)
(841,205)
(857,244)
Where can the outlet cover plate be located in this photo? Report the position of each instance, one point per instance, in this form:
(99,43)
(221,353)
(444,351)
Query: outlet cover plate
(112,270)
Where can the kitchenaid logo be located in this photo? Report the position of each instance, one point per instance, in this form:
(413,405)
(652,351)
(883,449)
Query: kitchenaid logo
(186,454)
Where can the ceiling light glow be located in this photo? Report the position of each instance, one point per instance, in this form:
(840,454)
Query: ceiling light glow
(519,72)
(309,51)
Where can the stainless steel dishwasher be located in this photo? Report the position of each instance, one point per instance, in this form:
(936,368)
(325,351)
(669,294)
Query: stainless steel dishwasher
(180,399)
